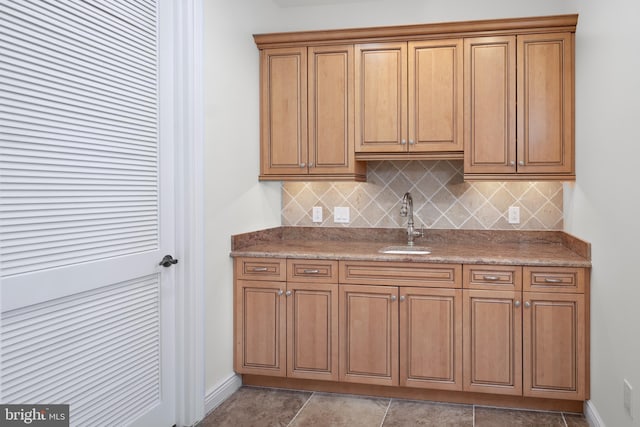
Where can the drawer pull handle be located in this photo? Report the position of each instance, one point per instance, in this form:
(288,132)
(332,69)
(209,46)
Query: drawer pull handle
(311,271)
(258,269)
(548,280)
(491,278)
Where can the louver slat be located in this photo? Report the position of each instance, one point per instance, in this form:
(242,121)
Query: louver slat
(98,351)
(78,132)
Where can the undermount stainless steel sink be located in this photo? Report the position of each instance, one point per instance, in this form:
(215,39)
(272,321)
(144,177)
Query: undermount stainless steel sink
(405,250)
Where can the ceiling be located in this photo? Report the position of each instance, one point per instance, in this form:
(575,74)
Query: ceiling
(296,3)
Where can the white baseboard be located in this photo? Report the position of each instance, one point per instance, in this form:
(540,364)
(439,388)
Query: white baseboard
(221,392)
(592,415)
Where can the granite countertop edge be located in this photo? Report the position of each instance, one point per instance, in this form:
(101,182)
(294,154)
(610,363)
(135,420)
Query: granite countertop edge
(532,248)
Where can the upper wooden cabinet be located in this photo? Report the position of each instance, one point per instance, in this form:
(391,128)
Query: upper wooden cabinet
(545,104)
(409,99)
(307,130)
(283,103)
(498,93)
(533,140)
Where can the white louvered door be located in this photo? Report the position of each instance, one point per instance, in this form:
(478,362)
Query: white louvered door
(87,209)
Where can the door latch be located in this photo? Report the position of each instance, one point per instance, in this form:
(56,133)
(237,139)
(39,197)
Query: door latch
(168,261)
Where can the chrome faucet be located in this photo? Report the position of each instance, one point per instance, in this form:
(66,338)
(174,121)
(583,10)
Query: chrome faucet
(406,210)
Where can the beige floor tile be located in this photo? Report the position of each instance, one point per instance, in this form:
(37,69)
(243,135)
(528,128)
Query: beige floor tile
(257,407)
(337,410)
(404,413)
(491,417)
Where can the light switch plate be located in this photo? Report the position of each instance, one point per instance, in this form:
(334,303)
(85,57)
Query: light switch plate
(317,213)
(514,215)
(341,214)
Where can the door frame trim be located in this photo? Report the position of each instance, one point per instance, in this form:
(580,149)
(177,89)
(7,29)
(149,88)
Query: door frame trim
(189,197)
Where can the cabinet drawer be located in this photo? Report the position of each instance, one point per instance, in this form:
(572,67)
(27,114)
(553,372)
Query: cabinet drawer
(319,271)
(401,273)
(493,277)
(261,269)
(554,279)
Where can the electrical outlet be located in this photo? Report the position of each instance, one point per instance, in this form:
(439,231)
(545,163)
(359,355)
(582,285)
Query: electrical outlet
(514,215)
(341,215)
(317,213)
(627,397)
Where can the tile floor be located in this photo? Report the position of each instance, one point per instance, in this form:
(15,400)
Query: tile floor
(264,407)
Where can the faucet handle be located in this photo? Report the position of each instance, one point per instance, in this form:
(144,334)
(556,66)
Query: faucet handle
(421,230)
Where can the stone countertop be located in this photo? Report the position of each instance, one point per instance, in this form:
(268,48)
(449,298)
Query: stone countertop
(535,248)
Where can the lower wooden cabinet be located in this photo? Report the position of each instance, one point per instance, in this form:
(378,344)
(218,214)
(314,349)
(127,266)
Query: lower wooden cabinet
(369,334)
(526,343)
(502,330)
(312,331)
(554,350)
(431,338)
(260,328)
(492,342)
(406,336)
(287,329)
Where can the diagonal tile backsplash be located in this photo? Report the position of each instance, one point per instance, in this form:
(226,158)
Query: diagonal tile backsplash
(441,199)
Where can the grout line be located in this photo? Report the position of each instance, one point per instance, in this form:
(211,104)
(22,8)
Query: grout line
(564,419)
(384,417)
(473,418)
(301,409)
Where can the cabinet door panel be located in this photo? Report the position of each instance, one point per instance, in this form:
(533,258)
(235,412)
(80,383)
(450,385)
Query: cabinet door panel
(435,95)
(331,137)
(490,105)
(492,342)
(380,93)
(283,111)
(312,331)
(554,345)
(545,103)
(260,328)
(431,338)
(369,334)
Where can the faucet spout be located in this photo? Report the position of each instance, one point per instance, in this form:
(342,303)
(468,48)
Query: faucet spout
(406,210)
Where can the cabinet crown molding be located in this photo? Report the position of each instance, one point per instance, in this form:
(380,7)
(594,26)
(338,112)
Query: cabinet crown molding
(529,25)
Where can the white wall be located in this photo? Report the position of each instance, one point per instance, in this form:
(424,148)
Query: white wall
(603,205)
(236,202)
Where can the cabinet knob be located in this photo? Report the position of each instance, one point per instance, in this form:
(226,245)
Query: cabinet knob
(280,292)
(521,162)
(517,304)
(512,163)
(402,298)
(288,293)
(527,304)
(310,164)
(393,298)
(411,142)
(302,165)
(403,142)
